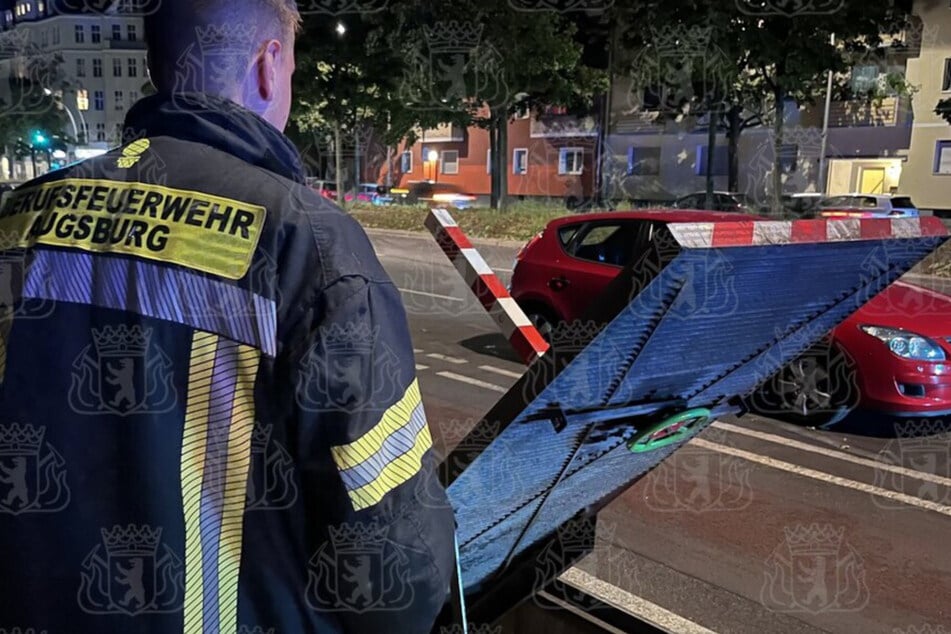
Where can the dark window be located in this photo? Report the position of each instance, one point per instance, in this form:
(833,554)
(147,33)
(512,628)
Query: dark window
(95,34)
(946,82)
(903,202)
(609,243)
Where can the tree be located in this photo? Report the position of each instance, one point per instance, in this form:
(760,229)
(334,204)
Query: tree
(26,107)
(773,54)
(511,61)
(350,80)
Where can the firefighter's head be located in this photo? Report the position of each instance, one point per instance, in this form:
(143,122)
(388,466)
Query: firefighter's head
(242,50)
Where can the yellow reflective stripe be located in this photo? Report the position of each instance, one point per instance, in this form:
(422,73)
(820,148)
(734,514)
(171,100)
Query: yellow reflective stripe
(396,473)
(398,415)
(194,441)
(239,464)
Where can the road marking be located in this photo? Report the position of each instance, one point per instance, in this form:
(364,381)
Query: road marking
(640,608)
(417,351)
(434,295)
(500,371)
(824,477)
(476,382)
(442,357)
(838,455)
(420,368)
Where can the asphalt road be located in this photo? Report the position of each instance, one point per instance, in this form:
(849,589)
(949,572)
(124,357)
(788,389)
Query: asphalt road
(755,526)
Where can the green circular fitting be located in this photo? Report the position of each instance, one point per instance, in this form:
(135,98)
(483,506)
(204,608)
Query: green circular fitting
(673,430)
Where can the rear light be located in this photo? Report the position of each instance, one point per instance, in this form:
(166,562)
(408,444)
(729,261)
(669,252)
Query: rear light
(844,214)
(528,245)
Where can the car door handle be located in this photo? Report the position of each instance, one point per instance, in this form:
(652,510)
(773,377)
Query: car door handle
(558,283)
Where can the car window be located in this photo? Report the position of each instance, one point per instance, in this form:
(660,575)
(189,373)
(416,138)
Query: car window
(566,234)
(903,202)
(608,243)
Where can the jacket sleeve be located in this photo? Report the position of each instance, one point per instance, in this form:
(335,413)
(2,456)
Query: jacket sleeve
(387,516)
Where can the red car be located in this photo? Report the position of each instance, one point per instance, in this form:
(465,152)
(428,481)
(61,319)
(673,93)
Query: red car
(891,356)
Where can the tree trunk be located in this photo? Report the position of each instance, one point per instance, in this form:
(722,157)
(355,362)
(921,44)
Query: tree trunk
(493,164)
(501,119)
(734,128)
(338,165)
(778,126)
(711,153)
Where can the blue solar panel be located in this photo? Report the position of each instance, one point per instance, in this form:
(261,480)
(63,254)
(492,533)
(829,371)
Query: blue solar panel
(705,326)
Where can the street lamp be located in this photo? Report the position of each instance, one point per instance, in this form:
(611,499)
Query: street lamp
(433,157)
(341,29)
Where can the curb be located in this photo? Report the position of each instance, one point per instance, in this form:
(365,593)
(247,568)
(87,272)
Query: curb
(403,233)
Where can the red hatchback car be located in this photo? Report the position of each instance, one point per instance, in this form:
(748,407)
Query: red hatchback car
(892,356)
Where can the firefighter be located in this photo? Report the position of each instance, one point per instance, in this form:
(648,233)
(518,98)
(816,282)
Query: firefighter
(209,414)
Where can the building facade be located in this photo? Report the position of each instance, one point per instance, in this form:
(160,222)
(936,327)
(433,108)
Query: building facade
(654,159)
(927,178)
(552,156)
(102,71)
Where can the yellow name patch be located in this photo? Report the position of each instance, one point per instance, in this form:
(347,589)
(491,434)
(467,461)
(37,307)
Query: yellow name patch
(193,229)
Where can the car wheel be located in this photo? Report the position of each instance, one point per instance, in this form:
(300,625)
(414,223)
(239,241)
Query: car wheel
(815,389)
(543,320)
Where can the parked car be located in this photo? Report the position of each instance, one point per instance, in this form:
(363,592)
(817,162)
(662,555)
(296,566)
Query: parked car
(328,189)
(432,193)
(722,201)
(868,206)
(802,205)
(890,356)
(366,192)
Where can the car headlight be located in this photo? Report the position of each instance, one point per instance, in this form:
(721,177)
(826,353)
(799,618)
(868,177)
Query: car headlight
(907,345)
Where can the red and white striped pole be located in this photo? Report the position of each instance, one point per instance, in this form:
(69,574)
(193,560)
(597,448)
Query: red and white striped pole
(486,285)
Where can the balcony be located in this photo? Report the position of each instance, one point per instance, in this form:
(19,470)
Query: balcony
(446,133)
(890,112)
(563,126)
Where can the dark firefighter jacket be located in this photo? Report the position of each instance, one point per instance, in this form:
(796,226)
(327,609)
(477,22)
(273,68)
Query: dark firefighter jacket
(209,415)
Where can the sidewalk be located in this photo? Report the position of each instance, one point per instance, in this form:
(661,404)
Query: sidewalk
(423,234)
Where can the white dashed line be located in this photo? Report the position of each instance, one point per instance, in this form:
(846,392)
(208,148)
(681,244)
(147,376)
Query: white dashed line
(447,359)
(500,371)
(826,478)
(420,368)
(476,382)
(641,608)
(837,455)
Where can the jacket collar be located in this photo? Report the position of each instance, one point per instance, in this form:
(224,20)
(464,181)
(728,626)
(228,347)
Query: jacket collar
(219,123)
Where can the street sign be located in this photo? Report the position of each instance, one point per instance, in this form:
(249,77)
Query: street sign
(679,337)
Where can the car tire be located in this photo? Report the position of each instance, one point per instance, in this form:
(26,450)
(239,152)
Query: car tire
(543,319)
(819,388)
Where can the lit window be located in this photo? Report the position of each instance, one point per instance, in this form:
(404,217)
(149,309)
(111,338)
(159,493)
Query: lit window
(82,99)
